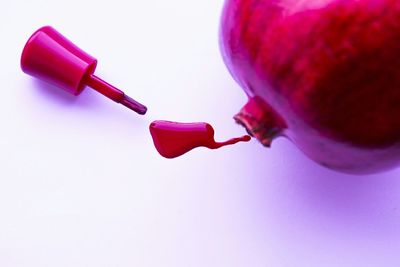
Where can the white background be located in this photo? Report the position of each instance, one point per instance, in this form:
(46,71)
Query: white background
(82,185)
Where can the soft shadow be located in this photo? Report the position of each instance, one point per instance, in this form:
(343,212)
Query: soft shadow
(319,198)
(52,93)
(57,95)
(93,106)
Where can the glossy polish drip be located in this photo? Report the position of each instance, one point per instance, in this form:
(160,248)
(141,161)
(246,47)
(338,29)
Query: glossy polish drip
(173,139)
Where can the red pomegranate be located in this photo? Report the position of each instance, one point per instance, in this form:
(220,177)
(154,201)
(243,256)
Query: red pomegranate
(323,73)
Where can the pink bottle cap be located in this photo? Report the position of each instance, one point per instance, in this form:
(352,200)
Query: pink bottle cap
(51,57)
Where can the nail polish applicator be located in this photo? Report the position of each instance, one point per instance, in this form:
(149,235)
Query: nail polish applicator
(51,57)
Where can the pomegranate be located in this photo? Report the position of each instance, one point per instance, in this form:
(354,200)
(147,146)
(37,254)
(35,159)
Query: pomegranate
(323,73)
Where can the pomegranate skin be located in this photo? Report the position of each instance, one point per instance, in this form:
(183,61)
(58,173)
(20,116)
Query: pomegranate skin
(323,73)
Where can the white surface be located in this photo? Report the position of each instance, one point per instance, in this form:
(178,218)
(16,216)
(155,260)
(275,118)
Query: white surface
(82,185)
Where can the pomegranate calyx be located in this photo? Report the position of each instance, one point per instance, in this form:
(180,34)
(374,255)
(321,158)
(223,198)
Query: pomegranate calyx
(260,121)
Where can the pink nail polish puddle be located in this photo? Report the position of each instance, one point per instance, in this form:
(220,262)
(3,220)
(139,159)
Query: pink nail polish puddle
(173,139)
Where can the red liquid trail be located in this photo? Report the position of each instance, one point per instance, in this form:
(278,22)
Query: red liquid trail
(173,139)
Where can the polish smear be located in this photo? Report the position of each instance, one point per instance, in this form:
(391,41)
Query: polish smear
(173,139)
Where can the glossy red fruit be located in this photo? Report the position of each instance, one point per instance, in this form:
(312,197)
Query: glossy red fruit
(324,73)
